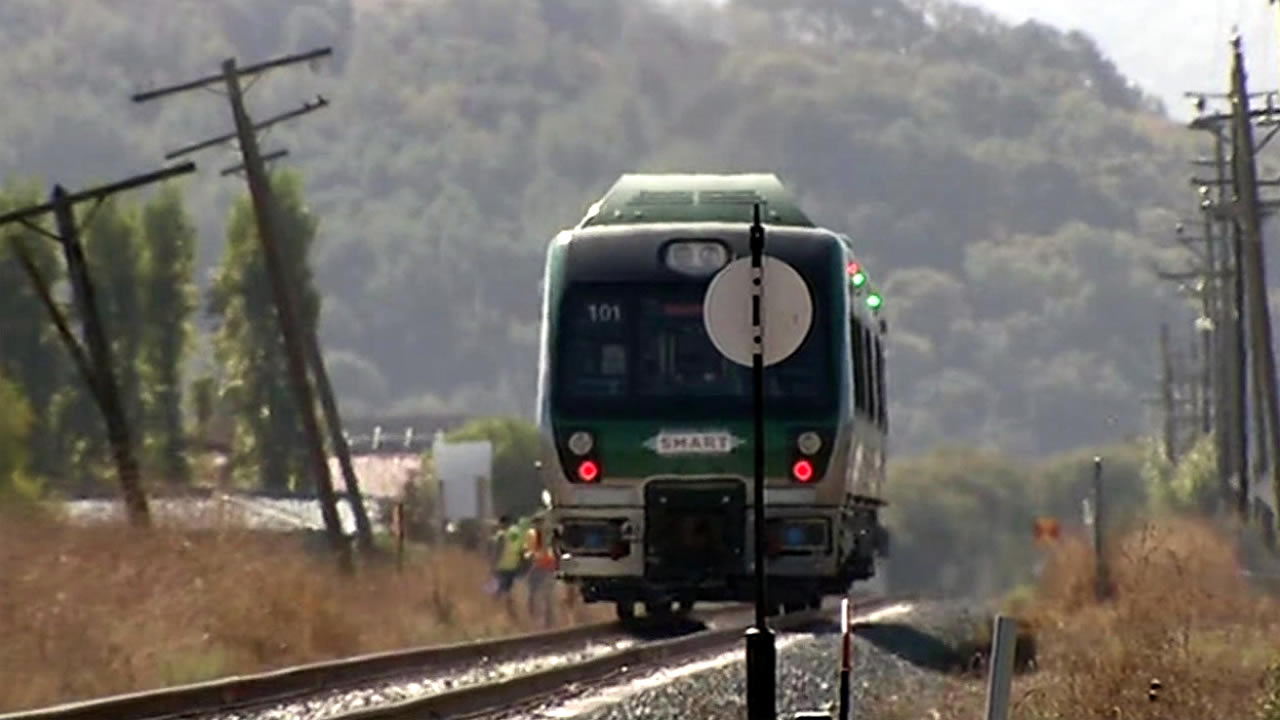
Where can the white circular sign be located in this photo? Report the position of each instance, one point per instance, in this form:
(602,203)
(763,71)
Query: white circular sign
(786,311)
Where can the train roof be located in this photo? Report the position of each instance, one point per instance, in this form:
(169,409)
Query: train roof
(644,198)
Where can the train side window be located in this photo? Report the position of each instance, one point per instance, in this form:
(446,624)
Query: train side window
(859,366)
(884,413)
(868,362)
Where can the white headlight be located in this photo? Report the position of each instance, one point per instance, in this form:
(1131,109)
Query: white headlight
(580,443)
(809,442)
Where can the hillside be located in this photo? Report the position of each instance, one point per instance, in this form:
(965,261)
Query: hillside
(1005,184)
(1136,34)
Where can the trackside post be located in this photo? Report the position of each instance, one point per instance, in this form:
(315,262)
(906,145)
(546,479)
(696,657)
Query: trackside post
(1000,674)
(762,660)
(846,657)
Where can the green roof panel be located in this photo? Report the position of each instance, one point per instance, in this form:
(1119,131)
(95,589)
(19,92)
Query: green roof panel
(638,198)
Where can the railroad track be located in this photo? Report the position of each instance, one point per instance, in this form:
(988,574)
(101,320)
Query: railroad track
(723,627)
(300,682)
(527,690)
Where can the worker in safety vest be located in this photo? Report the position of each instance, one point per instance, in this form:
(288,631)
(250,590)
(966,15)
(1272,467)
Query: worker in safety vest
(508,551)
(542,571)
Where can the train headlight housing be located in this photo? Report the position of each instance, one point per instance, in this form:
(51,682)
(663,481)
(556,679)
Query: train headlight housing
(581,442)
(695,257)
(809,442)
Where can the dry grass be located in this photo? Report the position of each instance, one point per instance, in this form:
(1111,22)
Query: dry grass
(86,612)
(1181,613)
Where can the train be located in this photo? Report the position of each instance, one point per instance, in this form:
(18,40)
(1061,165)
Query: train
(646,428)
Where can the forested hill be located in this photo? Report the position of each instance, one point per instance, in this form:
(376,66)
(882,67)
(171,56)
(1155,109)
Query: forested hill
(1006,185)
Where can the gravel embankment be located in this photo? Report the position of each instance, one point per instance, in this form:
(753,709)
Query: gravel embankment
(317,707)
(898,654)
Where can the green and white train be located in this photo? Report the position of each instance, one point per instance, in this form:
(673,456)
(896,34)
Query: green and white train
(646,428)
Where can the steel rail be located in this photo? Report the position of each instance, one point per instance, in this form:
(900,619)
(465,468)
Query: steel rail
(239,691)
(522,690)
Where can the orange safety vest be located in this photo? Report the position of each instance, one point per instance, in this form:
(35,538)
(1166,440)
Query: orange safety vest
(544,557)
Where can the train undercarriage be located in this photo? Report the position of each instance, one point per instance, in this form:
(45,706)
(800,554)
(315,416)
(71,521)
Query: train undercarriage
(691,542)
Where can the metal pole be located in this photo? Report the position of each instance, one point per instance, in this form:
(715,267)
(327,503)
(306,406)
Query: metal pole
(846,657)
(1102,581)
(1000,674)
(761,652)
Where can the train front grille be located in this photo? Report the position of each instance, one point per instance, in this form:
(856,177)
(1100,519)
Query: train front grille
(694,530)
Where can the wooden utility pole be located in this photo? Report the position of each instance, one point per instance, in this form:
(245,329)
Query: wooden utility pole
(1202,282)
(1253,269)
(300,343)
(1200,360)
(1189,393)
(96,366)
(1233,404)
(1235,346)
(1166,396)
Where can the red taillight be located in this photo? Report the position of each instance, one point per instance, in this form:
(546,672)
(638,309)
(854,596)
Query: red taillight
(802,471)
(588,471)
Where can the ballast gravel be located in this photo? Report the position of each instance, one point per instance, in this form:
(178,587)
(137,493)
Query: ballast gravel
(408,687)
(896,655)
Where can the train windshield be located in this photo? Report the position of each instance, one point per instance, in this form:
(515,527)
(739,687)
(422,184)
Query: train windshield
(641,350)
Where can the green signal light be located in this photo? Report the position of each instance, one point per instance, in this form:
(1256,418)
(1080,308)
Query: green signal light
(874,301)
(859,279)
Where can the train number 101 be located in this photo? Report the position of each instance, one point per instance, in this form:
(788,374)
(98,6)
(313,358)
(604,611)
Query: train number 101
(604,312)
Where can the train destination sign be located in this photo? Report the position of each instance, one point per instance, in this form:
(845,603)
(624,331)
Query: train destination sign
(713,442)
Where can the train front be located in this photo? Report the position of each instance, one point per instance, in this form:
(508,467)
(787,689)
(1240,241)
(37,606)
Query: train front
(647,428)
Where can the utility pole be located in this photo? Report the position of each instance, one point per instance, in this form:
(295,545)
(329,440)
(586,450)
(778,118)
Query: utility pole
(1214,327)
(1207,327)
(295,338)
(1233,406)
(328,401)
(1166,396)
(1233,342)
(1201,357)
(1187,396)
(1253,272)
(96,366)
(1198,361)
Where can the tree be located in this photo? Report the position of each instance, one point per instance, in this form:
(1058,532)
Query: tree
(30,353)
(15,427)
(202,391)
(113,251)
(168,258)
(249,345)
(995,176)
